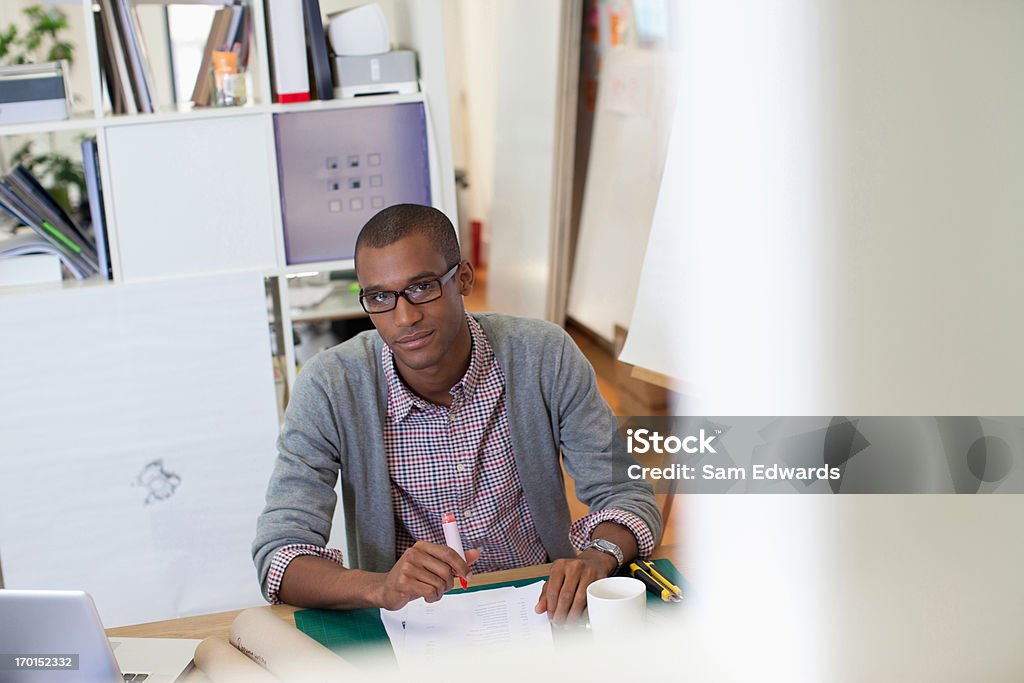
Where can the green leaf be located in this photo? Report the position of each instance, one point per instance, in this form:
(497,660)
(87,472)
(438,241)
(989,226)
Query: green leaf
(41,41)
(62,50)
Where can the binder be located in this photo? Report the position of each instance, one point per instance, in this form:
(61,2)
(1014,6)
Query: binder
(90,162)
(287,51)
(319,62)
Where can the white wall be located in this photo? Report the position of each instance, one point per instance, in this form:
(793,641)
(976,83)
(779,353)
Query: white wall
(476,63)
(453,50)
(930,158)
(526,74)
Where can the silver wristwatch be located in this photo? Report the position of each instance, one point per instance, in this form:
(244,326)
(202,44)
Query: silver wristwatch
(608,548)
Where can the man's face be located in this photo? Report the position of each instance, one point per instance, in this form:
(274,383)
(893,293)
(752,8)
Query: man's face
(420,336)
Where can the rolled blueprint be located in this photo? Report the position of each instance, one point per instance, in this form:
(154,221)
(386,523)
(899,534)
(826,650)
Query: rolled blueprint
(221,663)
(285,651)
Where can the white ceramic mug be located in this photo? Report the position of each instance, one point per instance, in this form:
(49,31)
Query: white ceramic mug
(616,606)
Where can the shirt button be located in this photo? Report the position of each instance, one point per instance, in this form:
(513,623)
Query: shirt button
(467,514)
(461,468)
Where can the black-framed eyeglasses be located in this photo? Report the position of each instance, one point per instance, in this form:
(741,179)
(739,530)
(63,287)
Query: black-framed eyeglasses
(417,294)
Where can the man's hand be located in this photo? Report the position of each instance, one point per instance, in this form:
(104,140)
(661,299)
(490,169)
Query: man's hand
(426,570)
(564,596)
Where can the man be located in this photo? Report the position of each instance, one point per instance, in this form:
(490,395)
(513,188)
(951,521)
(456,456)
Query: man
(439,411)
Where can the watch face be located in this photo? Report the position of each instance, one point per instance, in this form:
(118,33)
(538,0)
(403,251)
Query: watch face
(608,547)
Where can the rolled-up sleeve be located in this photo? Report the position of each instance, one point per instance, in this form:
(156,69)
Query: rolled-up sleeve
(582,528)
(284,556)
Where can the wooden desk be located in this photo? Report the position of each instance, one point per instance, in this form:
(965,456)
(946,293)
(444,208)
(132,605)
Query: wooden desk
(220,623)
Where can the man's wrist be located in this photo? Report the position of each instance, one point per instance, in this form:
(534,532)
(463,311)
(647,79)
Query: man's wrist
(375,594)
(605,561)
(358,589)
(608,547)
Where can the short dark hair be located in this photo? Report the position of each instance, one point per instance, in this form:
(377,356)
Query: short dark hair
(401,220)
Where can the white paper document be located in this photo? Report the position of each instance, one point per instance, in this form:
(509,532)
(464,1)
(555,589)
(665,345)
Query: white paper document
(498,618)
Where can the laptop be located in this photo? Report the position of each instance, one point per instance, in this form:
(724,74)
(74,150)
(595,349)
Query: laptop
(58,636)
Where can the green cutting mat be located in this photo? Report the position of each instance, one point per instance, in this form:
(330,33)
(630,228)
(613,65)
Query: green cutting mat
(359,633)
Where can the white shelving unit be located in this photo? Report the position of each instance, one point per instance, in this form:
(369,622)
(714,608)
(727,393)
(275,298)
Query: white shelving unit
(191,193)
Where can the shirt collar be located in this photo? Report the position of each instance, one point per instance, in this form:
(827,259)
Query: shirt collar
(401,400)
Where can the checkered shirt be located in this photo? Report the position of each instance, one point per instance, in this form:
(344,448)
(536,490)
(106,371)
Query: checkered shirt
(459,459)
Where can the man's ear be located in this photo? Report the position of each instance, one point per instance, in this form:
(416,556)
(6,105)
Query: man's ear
(466,278)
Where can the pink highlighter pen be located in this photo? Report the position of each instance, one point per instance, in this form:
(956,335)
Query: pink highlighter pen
(453,539)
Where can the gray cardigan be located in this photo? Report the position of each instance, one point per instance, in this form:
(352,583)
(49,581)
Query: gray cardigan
(335,424)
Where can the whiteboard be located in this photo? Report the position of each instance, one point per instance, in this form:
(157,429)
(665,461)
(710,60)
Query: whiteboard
(725,301)
(838,228)
(623,176)
(137,437)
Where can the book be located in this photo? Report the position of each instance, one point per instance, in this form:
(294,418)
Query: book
(244,37)
(31,243)
(108,72)
(204,80)
(70,252)
(290,79)
(139,73)
(91,165)
(316,41)
(234,29)
(33,205)
(126,102)
(40,201)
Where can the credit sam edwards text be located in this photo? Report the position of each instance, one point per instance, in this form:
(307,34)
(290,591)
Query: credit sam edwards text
(643,441)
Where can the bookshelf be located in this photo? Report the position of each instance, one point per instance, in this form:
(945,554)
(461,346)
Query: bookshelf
(195,191)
